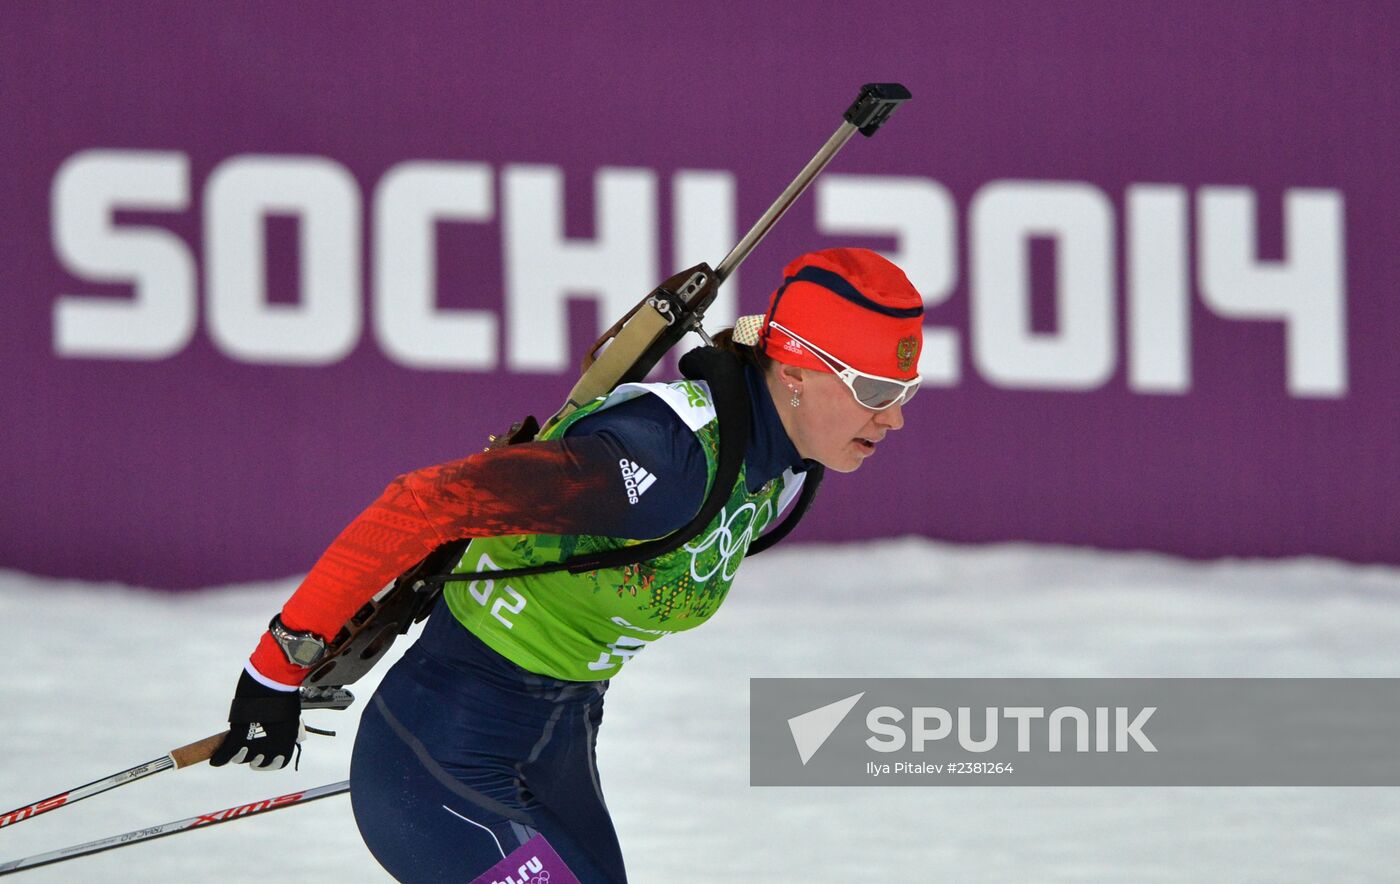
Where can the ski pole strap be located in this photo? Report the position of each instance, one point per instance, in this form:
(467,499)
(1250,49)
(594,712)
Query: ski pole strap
(263,709)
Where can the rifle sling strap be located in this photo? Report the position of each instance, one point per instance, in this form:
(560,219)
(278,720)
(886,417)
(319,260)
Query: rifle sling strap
(799,509)
(368,634)
(729,392)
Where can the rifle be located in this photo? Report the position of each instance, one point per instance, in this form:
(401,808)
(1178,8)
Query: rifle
(624,353)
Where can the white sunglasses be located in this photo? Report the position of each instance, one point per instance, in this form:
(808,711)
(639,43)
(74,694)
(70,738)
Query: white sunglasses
(871,390)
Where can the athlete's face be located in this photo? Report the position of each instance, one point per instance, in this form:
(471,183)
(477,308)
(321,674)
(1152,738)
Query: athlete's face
(829,426)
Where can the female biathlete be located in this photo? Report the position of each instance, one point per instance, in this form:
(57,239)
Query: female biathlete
(482,736)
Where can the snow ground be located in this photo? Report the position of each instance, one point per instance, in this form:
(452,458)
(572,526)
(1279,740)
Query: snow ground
(103,677)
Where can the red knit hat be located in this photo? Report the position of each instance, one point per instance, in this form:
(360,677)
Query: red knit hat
(852,303)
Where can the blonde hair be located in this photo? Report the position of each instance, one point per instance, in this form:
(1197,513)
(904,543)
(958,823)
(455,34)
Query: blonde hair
(747,355)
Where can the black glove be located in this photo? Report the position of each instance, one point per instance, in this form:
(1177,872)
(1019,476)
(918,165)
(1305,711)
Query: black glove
(264,727)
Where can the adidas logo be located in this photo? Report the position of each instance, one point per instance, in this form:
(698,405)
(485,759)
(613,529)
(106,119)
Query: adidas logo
(255,731)
(636,478)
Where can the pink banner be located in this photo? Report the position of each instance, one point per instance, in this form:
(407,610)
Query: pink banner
(258,260)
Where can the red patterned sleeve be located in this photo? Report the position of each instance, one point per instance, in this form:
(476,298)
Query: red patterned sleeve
(553,487)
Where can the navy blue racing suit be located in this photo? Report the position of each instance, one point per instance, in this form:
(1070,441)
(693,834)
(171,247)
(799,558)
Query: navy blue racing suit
(462,755)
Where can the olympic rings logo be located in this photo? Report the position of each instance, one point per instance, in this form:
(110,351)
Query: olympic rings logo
(732,545)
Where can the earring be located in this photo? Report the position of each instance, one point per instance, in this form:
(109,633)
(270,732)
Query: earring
(796,397)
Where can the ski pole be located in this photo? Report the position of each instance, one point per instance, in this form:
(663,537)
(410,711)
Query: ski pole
(175,759)
(172,760)
(174,828)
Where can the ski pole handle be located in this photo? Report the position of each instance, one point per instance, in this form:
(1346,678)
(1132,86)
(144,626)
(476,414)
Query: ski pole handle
(312,698)
(198,751)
